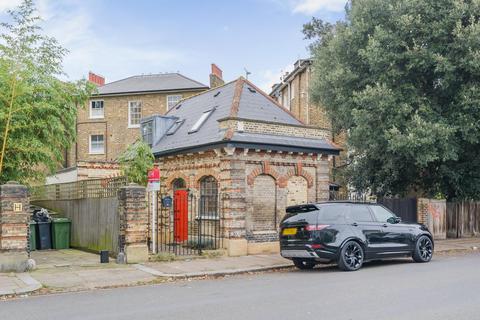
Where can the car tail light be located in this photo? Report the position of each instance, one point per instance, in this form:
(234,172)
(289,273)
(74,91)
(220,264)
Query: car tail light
(316,246)
(316,227)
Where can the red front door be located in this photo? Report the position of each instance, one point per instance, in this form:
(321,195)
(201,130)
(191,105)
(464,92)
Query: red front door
(180,211)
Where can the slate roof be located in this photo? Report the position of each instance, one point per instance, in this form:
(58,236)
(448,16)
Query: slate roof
(151,83)
(236,99)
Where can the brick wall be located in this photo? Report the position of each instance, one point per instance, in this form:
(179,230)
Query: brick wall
(133,223)
(273,128)
(255,185)
(14,217)
(114,125)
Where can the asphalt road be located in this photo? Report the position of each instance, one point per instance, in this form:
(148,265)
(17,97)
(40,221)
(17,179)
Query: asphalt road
(446,288)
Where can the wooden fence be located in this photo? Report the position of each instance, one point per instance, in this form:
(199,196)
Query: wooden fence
(463,219)
(92,205)
(95,221)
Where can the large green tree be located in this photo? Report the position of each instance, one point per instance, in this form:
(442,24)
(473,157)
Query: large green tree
(37,110)
(403,79)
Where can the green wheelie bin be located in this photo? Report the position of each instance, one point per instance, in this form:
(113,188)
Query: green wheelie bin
(61,233)
(33,236)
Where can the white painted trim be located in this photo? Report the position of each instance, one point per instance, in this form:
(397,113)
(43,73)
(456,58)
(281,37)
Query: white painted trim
(90,144)
(90,109)
(172,95)
(129,125)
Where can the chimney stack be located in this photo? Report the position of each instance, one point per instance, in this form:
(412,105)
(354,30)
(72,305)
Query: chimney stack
(216,77)
(96,79)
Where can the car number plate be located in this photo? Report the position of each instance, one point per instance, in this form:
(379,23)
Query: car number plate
(289,231)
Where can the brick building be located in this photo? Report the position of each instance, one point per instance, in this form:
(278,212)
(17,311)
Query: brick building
(246,157)
(110,121)
(292,93)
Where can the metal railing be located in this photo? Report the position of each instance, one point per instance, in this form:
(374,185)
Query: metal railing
(191,225)
(84,189)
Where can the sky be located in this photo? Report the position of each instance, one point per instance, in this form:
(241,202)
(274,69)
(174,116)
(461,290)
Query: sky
(121,38)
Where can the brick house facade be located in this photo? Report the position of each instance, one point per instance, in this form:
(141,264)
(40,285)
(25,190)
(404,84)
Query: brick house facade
(110,120)
(259,156)
(292,93)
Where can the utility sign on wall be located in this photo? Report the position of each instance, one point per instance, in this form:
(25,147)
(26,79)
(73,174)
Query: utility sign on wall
(17,207)
(154,180)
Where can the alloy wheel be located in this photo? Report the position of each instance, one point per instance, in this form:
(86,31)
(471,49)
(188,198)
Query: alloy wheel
(353,255)
(426,249)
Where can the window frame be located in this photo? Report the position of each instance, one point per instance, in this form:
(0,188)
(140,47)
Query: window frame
(371,206)
(173,95)
(368,209)
(201,214)
(90,150)
(201,121)
(91,116)
(292,90)
(146,125)
(130,125)
(174,128)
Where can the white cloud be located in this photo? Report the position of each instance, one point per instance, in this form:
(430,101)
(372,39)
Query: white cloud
(71,22)
(9,4)
(271,77)
(309,7)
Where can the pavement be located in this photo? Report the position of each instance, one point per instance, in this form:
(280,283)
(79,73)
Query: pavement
(445,288)
(73,270)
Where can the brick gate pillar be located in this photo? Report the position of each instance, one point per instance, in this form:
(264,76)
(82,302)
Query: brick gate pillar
(233,205)
(14,217)
(132,208)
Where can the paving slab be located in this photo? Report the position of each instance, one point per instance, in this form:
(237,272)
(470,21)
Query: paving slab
(77,278)
(215,266)
(64,258)
(17,283)
(457,244)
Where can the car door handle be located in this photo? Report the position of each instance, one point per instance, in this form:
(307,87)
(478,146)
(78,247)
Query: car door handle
(355,224)
(385,225)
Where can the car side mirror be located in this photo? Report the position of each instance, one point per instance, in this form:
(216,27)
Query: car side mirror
(394,220)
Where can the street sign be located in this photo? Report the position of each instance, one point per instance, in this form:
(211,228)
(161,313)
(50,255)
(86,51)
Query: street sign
(154,175)
(153,186)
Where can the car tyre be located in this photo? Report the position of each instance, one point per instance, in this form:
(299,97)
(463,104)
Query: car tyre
(423,250)
(303,264)
(351,256)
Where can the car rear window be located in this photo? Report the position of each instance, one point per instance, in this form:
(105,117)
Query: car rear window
(308,217)
(333,213)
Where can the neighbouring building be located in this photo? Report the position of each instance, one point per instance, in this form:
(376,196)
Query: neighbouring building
(245,157)
(292,93)
(110,121)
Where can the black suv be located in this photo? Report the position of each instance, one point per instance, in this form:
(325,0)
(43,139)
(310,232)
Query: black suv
(349,233)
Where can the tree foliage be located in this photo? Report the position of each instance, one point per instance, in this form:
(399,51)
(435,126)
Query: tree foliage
(403,79)
(136,161)
(37,110)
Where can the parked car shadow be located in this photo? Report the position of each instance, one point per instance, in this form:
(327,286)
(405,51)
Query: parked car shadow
(367,265)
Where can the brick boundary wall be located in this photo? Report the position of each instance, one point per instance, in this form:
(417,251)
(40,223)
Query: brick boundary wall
(133,211)
(14,217)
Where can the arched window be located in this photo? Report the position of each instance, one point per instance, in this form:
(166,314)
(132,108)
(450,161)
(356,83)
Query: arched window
(178,183)
(208,197)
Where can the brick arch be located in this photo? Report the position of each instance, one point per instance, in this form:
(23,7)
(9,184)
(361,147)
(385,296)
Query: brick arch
(203,173)
(265,169)
(298,171)
(173,177)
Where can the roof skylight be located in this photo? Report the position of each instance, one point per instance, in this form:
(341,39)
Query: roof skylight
(175,127)
(201,120)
